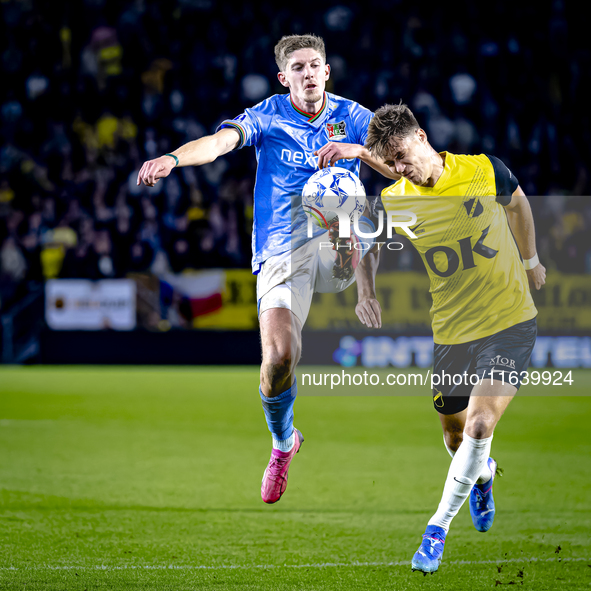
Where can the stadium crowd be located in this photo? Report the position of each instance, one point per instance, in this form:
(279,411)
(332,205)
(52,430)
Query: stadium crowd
(91,89)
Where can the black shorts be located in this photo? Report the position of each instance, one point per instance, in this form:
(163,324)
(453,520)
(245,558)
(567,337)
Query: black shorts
(507,351)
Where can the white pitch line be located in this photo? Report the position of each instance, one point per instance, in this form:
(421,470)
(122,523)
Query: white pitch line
(106,567)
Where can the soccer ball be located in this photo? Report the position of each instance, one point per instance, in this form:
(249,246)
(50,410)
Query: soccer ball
(330,189)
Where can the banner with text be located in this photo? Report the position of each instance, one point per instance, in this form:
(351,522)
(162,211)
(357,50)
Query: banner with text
(80,304)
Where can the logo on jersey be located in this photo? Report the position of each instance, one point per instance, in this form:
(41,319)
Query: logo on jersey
(499,360)
(336,131)
(473,207)
(466,254)
(417,229)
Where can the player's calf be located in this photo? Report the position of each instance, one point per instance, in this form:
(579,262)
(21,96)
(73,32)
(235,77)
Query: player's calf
(281,347)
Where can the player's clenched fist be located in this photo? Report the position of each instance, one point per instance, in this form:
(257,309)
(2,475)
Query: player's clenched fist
(154,170)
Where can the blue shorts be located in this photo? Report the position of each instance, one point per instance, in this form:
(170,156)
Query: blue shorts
(460,366)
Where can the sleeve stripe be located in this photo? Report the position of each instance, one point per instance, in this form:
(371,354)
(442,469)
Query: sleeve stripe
(238,128)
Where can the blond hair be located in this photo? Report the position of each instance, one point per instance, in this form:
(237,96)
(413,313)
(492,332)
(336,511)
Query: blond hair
(390,122)
(290,43)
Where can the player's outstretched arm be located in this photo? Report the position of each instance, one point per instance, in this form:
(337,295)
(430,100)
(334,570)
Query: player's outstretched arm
(521,222)
(368,308)
(331,152)
(195,153)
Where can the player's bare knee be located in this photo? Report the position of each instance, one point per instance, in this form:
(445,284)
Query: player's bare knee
(278,368)
(480,426)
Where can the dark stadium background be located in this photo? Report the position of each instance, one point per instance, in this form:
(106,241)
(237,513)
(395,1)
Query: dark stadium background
(92,89)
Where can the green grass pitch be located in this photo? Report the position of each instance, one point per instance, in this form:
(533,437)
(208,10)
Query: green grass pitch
(149,478)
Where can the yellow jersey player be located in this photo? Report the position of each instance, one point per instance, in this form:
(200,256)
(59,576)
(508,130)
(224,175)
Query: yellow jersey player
(474,226)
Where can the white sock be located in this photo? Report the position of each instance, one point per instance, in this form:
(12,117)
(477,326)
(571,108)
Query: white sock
(486,473)
(468,463)
(450,451)
(284,445)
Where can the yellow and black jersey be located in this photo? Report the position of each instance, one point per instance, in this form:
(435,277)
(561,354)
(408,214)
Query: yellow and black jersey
(478,282)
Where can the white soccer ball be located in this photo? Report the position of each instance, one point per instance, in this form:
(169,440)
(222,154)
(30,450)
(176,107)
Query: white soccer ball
(330,189)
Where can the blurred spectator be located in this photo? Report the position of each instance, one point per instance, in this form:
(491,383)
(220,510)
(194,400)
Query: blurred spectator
(13,265)
(141,256)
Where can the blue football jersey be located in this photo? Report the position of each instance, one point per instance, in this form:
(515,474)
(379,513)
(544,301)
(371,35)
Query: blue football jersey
(285,139)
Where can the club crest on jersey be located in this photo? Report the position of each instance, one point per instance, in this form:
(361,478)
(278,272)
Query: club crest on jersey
(473,207)
(337,130)
(438,399)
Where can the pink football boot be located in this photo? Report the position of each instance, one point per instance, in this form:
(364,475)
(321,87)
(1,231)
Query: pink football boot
(275,476)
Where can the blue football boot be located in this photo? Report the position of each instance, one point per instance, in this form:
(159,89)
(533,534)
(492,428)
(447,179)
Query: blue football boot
(482,504)
(428,557)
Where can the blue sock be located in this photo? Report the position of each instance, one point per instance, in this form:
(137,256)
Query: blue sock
(279,412)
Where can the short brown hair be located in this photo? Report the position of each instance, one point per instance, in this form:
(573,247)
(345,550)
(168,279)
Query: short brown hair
(389,123)
(290,43)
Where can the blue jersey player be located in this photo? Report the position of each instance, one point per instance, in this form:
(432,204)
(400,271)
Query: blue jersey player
(293,135)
